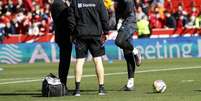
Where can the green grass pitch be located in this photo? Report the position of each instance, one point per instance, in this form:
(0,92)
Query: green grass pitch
(22,82)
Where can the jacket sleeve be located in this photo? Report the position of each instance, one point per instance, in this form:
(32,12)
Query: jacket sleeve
(103,16)
(71,20)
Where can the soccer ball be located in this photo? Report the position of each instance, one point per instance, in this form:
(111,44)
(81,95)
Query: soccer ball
(159,86)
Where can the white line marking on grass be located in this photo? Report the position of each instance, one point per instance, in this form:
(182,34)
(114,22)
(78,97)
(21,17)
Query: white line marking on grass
(108,74)
(11,79)
(187,81)
(23,81)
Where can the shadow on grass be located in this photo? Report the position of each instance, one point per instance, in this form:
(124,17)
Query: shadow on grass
(198,90)
(151,92)
(20,93)
(38,94)
(70,93)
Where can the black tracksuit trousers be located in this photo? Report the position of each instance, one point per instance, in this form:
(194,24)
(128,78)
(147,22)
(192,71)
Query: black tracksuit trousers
(65,59)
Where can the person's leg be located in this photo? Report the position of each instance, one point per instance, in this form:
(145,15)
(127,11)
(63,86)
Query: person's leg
(137,56)
(100,74)
(79,69)
(64,63)
(97,50)
(130,28)
(124,41)
(129,57)
(99,69)
(78,75)
(81,52)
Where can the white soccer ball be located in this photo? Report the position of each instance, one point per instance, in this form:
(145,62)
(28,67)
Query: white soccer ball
(159,86)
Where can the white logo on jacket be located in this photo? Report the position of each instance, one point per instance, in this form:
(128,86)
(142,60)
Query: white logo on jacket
(85,5)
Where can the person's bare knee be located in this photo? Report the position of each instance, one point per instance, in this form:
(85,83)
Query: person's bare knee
(79,69)
(97,60)
(99,69)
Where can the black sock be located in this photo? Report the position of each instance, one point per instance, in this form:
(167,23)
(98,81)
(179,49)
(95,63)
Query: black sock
(101,86)
(77,85)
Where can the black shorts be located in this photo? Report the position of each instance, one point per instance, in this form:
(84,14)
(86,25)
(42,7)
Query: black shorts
(93,44)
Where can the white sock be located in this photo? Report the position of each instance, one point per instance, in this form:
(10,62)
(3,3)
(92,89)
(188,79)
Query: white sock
(135,51)
(130,82)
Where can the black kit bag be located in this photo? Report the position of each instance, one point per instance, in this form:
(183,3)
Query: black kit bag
(52,87)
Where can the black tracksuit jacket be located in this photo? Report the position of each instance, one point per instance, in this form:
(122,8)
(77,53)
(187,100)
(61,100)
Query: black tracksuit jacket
(125,9)
(59,11)
(89,18)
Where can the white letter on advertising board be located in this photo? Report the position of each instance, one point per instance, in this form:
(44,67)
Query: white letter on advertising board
(39,54)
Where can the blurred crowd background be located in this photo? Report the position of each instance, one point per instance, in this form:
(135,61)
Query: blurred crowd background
(32,17)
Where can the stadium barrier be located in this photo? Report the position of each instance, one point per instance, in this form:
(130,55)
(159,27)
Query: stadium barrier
(22,38)
(156,33)
(155,48)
